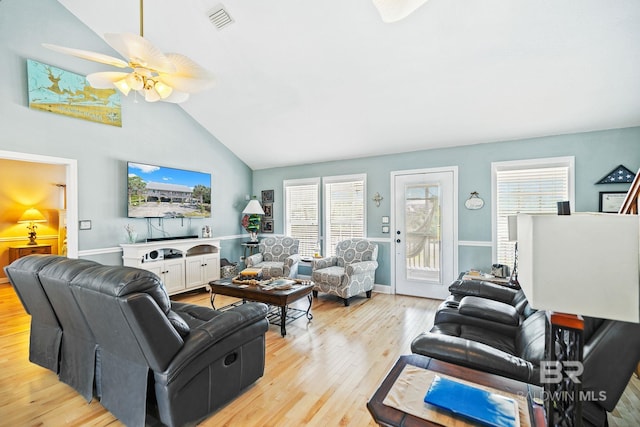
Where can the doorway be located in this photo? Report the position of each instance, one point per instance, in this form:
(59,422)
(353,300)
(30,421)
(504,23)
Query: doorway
(71,176)
(425,231)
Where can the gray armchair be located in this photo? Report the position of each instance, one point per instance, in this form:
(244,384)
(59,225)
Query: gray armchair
(277,257)
(350,272)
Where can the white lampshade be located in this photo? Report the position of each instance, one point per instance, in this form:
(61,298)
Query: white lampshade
(253,208)
(585,264)
(395,10)
(31,215)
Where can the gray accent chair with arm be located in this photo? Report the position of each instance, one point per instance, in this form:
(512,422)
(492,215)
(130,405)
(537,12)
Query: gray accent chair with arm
(350,272)
(277,257)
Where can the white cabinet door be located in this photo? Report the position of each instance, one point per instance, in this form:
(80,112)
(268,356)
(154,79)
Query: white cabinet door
(202,269)
(195,265)
(211,269)
(154,267)
(173,274)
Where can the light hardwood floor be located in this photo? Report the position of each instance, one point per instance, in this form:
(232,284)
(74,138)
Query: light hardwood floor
(321,374)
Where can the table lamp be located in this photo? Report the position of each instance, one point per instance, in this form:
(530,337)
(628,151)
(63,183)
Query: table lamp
(251,219)
(30,217)
(572,266)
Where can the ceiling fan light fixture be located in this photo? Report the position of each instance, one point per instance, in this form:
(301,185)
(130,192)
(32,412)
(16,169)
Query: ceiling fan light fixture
(396,10)
(151,95)
(135,81)
(123,86)
(169,78)
(163,90)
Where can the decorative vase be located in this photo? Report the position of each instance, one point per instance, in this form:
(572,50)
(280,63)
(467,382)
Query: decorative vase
(132,237)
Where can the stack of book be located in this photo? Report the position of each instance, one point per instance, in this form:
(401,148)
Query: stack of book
(250,274)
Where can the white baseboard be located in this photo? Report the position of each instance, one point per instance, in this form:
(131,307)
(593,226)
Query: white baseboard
(383,289)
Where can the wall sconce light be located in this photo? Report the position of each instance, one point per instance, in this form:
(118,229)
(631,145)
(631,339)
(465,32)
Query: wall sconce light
(31,216)
(377,198)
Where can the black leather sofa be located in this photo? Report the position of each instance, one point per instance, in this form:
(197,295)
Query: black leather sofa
(112,333)
(491,328)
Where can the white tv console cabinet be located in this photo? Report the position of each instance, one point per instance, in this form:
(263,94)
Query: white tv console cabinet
(182,264)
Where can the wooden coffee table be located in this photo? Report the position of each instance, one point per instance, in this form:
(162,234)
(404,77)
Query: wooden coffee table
(389,416)
(278,299)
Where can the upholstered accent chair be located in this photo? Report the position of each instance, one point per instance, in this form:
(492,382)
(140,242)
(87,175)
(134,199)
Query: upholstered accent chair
(350,272)
(277,257)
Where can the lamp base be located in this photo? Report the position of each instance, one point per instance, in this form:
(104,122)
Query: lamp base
(562,374)
(32,240)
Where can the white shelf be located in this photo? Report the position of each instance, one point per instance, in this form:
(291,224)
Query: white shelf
(181,264)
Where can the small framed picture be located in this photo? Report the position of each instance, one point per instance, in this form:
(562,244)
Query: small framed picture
(267,196)
(268,210)
(385,228)
(610,201)
(267,226)
(385,220)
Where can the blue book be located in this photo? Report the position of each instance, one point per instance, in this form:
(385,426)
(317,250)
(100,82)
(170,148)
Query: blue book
(472,403)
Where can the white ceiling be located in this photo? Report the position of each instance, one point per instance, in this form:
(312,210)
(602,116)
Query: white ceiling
(304,81)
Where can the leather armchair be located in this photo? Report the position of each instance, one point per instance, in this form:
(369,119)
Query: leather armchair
(46,333)
(277,257)
(479,338)
(178,362)
(350,272)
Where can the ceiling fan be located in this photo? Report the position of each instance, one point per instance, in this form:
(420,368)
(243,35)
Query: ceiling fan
(160,77)
(395,10)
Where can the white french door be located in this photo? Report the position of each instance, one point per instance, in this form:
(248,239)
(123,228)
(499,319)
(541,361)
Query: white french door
(425,218)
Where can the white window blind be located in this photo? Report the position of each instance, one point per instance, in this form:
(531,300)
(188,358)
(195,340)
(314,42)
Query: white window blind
(301,213)
(533,187)
(344,209)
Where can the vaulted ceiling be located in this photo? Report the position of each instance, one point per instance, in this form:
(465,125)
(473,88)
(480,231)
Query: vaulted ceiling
(302,81)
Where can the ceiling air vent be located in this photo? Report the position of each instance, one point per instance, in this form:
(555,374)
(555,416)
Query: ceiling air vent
(219,17)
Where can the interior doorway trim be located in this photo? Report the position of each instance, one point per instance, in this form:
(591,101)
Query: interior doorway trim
(71,166)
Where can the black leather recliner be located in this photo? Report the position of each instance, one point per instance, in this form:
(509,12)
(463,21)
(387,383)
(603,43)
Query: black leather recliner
(611,349)
(45,337)
(180,362)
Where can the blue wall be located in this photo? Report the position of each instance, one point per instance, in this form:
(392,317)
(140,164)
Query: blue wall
(596,154)
(158,133)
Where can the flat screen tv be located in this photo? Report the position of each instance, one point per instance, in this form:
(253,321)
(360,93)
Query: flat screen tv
(162,192)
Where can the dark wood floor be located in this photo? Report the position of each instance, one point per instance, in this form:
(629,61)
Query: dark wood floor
(321,374)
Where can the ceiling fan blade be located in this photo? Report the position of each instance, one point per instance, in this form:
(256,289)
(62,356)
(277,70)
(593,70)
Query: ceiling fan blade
(189,76)
(140,52)
(176,97)
(105,79)
(395,10)
(91,56)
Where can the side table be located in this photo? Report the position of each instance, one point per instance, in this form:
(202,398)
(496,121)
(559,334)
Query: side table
(16,252)
(250,246)
(389,416)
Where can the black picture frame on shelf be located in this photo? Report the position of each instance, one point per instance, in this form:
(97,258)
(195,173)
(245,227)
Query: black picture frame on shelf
(267,226)
(268,210)
(611,201)
(267,196)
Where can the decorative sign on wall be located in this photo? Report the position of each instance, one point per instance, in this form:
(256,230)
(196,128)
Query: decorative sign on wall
(63,92)
(619,175)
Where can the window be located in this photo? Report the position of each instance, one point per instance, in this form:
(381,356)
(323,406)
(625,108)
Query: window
(527,186)
(344,209)
(301,213)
